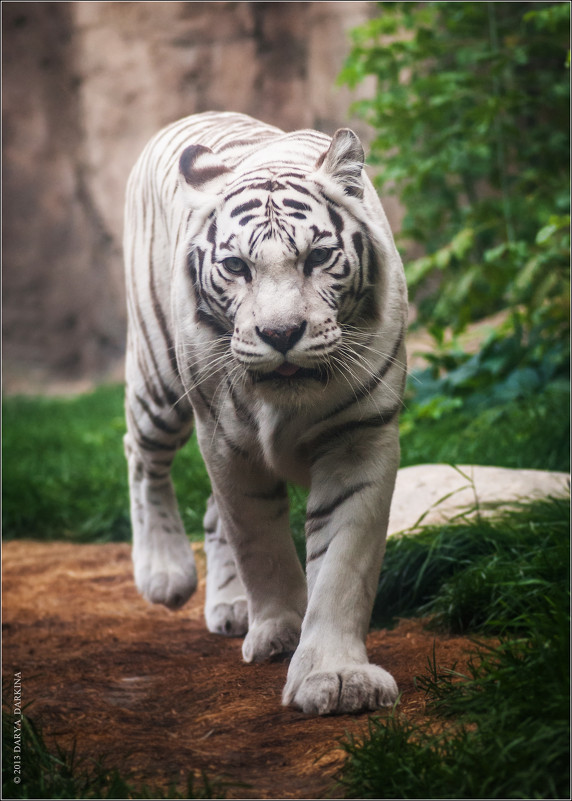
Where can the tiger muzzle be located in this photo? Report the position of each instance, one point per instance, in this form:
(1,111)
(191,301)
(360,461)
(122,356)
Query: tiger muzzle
(282,339)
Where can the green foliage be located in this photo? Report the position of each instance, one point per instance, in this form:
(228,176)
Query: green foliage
(513,363)
(528,432)
(298,499)
(501,729)
(471,121)
(508,404)
(507,756)
(490,575)
(65,474)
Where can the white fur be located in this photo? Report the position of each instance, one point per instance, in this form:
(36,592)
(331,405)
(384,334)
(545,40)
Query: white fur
(256,435)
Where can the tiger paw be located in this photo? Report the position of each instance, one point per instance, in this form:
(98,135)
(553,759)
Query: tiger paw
(172,589)
(229,619)
(346,689)
(272,637)
(167,578)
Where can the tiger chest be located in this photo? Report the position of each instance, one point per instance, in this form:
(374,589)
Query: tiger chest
(279,434)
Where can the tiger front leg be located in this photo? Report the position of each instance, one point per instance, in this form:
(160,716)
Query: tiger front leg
(347,518)
(226,610)
(252,513)
(163,561)
(257,526)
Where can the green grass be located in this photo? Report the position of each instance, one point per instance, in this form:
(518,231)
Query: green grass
(65,475)
(505,723)
(485,574)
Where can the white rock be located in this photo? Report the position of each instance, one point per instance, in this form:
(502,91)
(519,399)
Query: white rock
(437,493)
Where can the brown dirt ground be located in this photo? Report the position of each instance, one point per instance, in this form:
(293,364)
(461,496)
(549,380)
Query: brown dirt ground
(159,696)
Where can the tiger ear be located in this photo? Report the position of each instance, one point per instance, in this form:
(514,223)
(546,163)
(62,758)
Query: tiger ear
(202,174)
(343,162)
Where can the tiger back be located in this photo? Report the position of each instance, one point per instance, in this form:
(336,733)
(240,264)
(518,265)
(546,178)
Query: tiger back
(267,308)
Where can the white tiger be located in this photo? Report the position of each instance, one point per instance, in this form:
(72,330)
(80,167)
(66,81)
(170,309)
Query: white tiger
(267,302)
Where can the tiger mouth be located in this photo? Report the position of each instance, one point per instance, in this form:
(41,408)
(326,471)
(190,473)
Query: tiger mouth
(288,372)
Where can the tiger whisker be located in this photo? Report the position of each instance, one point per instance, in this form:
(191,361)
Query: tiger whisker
(354,360)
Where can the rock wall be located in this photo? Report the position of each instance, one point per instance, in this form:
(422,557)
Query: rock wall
(85,86)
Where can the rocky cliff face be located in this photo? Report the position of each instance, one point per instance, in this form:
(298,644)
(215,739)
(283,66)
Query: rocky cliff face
(85,85)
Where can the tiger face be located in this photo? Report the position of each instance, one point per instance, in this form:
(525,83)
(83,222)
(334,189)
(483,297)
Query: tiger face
(279,263)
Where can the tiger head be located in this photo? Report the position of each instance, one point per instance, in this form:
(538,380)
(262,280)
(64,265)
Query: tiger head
(281,256)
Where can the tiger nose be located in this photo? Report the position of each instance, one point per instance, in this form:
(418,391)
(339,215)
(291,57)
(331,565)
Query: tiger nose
(281,339)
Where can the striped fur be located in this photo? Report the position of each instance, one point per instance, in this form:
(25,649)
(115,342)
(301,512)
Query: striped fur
(267,305)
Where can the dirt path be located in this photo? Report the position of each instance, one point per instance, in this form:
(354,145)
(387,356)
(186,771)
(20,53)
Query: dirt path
(156,694)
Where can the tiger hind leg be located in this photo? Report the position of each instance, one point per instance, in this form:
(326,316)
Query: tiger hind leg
(163,560)
(226,605)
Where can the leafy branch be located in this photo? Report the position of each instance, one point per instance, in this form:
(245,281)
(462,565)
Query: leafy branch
(471,121)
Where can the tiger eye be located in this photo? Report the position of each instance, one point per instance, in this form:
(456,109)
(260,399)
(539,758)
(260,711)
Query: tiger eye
(236,266)
(318,256)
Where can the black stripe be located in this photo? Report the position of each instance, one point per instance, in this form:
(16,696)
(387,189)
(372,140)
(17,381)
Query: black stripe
(315,525)
(300,176)
(317,555)
(242,412)
(320,234)
(205,174)
(372,265)
(157,308)
(157,421)
(207,318)
(172,398)
(159,314)
(146,443)
(326,509)
(150,388)
(296,204)
(300,188)
(220,290)
(202,313)
(345,268)
(321,443)
(157,476)
(223,435)
(366,306)
(226,245)
(211,233)
(336,219)
(357,240)
(248,206)
(239,143)
(227,581)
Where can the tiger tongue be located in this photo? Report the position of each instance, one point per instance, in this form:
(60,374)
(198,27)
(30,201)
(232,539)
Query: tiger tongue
(287,369)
